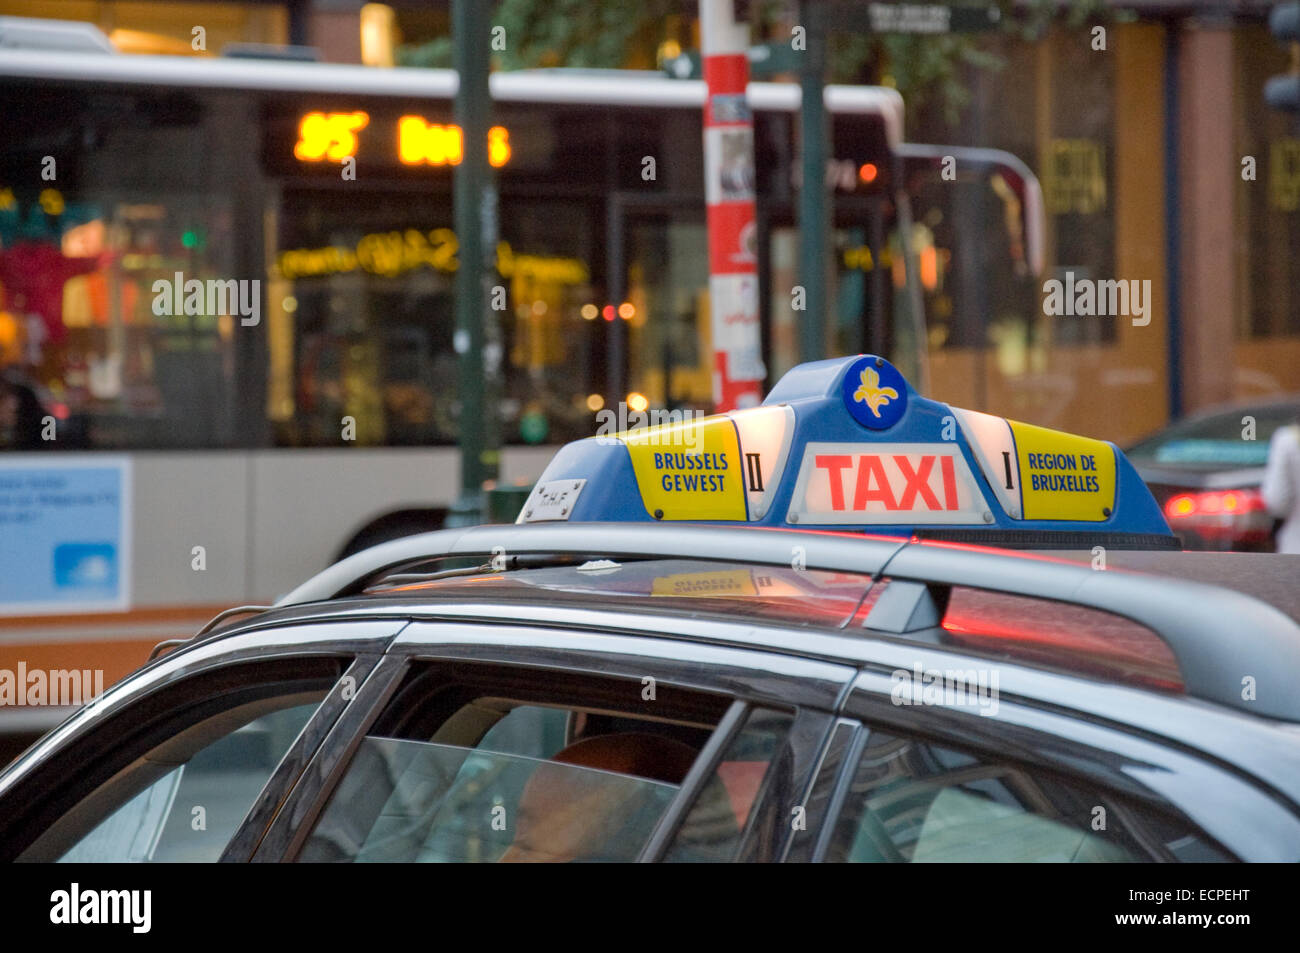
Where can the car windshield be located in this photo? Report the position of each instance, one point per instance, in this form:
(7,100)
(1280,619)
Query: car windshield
(1217,440)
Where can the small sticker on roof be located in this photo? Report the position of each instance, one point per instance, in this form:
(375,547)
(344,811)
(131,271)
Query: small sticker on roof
(552,500)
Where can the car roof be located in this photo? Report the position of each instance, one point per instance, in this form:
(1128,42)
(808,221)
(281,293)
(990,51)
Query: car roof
(1269,577)
(697,584)
(1215,632)
(798,598)
(802,597)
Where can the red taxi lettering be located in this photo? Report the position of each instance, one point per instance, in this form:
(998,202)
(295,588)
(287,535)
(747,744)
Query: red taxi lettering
(871,468)
(873,484)
(916,483)
(949,483)
(834,463)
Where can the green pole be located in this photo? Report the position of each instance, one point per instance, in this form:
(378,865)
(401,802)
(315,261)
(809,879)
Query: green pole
(812,190)
(476,341)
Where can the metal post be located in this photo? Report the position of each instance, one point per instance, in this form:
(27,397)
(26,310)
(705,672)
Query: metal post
(616,289)
(881,314)
(729,182)
(477,347)
(913,357)
(1173,223)
(812,188)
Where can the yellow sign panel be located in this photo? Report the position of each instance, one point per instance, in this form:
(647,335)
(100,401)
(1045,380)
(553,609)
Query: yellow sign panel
(731,582)
(689,471)
(1063,476)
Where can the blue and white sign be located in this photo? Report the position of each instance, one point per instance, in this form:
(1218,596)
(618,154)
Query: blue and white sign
(65,534)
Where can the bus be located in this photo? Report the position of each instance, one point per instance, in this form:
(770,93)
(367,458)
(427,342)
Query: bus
(228,285)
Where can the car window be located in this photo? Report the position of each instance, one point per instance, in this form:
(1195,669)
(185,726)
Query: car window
(911,801)
(449,776)
(172,775)
(430,803)
(191,812)
(528,730)
(715,824)
(1216,440)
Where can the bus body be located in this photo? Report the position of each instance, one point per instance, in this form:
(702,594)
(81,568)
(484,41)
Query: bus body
(230,282)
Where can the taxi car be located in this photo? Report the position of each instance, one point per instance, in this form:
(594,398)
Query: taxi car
(798,632)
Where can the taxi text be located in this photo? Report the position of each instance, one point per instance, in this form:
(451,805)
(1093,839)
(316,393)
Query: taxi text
(872,485)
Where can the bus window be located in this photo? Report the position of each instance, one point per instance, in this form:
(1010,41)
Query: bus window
(114,345)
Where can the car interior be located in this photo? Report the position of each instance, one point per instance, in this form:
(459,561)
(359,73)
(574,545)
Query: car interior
(501,779)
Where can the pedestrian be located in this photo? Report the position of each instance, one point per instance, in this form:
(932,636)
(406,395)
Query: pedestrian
(1281,487)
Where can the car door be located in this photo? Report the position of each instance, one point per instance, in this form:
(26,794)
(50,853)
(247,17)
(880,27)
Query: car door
(478,741)
(189,759)
(1032,781)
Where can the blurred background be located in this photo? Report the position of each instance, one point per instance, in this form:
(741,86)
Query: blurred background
(207,139)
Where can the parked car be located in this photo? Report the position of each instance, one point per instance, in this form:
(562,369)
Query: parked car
(1205,472)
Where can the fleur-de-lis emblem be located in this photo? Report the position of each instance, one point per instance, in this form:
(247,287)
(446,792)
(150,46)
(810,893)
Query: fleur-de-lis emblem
(872,394)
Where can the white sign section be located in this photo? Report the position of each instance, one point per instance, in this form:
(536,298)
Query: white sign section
(735,325)
(729,161)
(552,500)
(903,483)
(765,434)
(994,447)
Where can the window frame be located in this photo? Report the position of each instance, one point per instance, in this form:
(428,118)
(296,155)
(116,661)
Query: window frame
(1084,751)
(809,689)
(155,704)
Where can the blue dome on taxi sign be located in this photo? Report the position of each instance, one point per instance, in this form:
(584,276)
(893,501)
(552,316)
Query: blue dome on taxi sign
(874,392)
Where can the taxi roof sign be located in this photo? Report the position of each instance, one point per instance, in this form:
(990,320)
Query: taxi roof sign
(847,443)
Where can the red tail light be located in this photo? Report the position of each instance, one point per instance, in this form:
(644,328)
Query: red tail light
(1214,503)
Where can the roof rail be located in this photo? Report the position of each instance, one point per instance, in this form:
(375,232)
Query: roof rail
(207,627)
(856,553)
(29,33)
(1202,624)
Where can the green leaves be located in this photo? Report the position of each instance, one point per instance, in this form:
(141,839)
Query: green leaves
(930,72)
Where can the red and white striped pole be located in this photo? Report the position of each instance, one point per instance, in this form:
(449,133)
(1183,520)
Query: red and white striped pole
(738,370)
